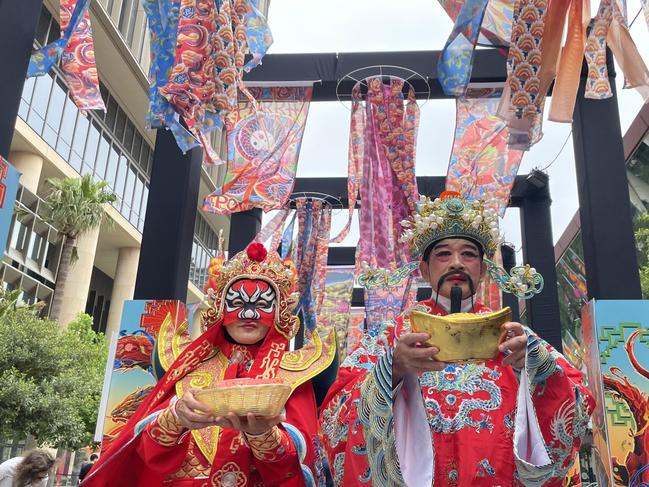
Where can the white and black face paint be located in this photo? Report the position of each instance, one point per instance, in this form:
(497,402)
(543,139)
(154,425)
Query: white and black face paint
(252,300)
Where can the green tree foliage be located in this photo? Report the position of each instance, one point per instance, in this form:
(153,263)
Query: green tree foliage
(50,379)
(642,245)
(73,206)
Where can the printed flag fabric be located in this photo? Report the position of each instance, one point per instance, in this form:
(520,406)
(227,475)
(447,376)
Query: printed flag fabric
(388,187)
(481,165)
(199,50)
(314,220)
(75,48)
(496,29)
(263,150)
(336,306)
(456,60)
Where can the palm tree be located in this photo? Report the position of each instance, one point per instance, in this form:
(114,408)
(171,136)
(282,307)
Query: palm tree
(74,206)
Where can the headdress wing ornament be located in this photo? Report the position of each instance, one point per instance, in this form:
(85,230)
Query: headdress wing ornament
(257,263)
(452,216)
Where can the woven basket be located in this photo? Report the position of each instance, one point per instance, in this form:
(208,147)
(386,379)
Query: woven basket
(265,397)
(463,337)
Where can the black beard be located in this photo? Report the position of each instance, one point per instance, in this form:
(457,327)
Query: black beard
(454,273)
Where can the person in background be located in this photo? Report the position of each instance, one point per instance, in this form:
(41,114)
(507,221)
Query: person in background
(32,470)
(86,466)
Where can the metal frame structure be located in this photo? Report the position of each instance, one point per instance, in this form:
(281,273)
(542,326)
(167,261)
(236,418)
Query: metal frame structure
(609,249)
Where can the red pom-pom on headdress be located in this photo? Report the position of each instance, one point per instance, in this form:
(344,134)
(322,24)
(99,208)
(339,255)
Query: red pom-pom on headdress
(449,194)
(256,252)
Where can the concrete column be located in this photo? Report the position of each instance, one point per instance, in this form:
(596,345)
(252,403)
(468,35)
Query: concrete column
(30,165)
(75,293)
(123,286)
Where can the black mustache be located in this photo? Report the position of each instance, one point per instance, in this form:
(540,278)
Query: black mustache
(455,273)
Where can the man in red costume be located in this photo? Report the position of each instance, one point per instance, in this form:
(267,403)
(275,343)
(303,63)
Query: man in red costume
(173,439)
(397,417)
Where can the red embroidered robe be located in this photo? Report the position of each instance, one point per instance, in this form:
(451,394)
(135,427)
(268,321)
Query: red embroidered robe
(470,410)
(155,450)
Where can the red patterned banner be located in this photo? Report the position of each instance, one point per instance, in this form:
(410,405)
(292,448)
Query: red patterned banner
(481,165)
(263,150)
(78,61)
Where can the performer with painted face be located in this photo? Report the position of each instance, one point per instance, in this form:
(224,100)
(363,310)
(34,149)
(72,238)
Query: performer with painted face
(173,438)
(398,417)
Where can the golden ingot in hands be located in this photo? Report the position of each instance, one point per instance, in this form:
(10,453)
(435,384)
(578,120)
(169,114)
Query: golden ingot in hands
(463,337)
(261,397)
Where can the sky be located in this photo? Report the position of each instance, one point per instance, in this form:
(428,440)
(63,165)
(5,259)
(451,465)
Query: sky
(301,26)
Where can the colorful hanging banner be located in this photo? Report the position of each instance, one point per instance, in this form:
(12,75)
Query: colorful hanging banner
(456,60)
(76,50)
(496,28)
(336,306)
(263,150)
(198,60)
(388,188)
(482,166)
(314,219)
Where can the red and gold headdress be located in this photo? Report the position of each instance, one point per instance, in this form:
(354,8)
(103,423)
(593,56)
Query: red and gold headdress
(255,263)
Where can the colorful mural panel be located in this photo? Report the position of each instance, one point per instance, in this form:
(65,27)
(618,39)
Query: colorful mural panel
(9,177)
(616,334)
(133,372)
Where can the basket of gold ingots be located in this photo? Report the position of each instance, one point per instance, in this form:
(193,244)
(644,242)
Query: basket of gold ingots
(261,397)
(463,337)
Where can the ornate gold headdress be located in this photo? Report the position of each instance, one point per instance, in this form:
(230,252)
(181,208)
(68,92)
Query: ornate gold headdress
(450,216)
(255,263)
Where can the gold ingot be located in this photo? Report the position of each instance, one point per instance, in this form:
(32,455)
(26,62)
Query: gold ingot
(463,337)
(242,396)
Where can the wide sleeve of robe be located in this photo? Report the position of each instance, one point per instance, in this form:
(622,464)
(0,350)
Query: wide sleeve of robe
(356,416)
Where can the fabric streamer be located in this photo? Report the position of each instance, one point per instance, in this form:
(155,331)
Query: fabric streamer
(76,50)
(496,28)
(387,182)
(314,218)
(263,150)
(481,165)
(199,49)
(610,30)
(456,60)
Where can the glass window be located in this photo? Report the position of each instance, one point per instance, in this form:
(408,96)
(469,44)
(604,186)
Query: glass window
(145,201)
(18,235)
(39,103)
(111,169)
(128,136)
(128,188)
(43,25)
(137,146)
(120,125)
(137,195)
(78,146)
(66,132)
(54,113)
(35,246)
(28,89)
(91,148)
(120,179)
(111,113)
(102,158)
